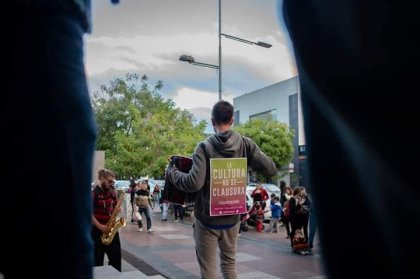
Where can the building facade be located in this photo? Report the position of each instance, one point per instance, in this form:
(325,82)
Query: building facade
(281,102)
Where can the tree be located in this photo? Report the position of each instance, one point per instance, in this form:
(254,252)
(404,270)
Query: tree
(273,137)
(139,130)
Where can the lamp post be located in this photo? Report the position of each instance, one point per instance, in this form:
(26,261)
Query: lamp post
(190,59)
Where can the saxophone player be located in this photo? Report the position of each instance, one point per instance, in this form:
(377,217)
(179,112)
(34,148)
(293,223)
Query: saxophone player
(105,200)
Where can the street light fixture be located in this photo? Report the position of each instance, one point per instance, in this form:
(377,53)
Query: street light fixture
(261,44)
(191,60)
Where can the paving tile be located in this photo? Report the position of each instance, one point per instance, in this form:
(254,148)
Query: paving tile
(256,275)
(191,267)
(175,236)
(244,257)
(171,251)
(166,229)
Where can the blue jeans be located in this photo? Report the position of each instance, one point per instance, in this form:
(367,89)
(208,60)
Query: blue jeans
(179,212)
(312,228)
(147,212)
(165,206)
(49,131)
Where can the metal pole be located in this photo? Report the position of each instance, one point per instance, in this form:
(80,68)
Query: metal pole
(220,50)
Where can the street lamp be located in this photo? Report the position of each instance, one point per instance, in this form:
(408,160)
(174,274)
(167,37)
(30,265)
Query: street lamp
(190,59)
(261,44)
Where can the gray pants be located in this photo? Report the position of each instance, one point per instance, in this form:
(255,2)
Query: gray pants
(273,226)
(206,243)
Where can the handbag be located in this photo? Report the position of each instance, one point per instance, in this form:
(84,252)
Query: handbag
(137,216)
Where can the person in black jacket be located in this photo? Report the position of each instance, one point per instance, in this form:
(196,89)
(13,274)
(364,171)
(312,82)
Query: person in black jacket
(132,190)
(211,232)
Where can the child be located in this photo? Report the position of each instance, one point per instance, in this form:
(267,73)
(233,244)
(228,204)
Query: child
(257,215)
(276,210)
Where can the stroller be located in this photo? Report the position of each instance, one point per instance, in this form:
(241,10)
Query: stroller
(243,225)
(300,246)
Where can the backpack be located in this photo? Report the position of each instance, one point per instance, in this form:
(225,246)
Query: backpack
(286,209)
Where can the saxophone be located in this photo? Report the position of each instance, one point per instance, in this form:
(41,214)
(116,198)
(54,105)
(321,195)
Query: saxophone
(114,224)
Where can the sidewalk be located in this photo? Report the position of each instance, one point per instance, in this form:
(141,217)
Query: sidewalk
(169,253)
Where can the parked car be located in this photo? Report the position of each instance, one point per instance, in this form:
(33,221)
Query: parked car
(270,188)
(122,185)
(248,200)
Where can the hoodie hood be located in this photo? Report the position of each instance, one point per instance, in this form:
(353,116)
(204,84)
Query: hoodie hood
(226,143)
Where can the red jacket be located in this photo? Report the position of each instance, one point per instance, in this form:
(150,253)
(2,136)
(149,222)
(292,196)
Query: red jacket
(263,196)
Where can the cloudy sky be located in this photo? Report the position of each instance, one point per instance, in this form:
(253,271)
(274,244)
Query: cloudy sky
(149,36)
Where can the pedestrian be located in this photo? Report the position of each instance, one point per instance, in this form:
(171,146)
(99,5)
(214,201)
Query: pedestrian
(165,205)
(313,224)
(259,194)
(156,195)
(132,192)
(179,213)
(143,201)
(105,199)
(221,232)
(285,196)
(276,210)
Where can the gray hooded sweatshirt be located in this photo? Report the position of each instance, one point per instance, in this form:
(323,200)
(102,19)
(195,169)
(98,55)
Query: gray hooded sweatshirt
(228,144)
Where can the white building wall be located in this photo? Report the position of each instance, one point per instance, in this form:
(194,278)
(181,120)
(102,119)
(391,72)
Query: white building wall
(273,97)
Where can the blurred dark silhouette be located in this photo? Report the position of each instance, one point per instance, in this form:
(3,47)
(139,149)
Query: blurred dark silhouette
(49,135)
(358,64)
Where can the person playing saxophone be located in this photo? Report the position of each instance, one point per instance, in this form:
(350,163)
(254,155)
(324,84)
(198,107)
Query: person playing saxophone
(105,201)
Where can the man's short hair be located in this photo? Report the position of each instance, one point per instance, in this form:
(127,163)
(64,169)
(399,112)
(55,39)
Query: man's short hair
(222,112)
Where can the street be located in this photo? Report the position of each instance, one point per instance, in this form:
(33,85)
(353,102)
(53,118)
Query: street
(169,253)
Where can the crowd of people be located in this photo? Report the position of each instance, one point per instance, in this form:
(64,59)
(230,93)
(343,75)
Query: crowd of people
(293,209)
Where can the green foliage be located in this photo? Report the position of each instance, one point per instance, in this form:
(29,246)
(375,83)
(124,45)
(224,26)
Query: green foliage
(139,130)
(273,137)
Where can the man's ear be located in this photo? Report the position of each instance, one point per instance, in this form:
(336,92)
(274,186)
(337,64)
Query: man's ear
(212,122)
(231,121)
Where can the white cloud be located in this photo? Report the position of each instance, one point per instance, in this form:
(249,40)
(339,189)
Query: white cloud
(148,37)
(199,103)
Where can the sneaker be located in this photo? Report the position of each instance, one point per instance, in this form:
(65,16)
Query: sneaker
(239,234)
(176,221)
(150,230)
(140,229)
